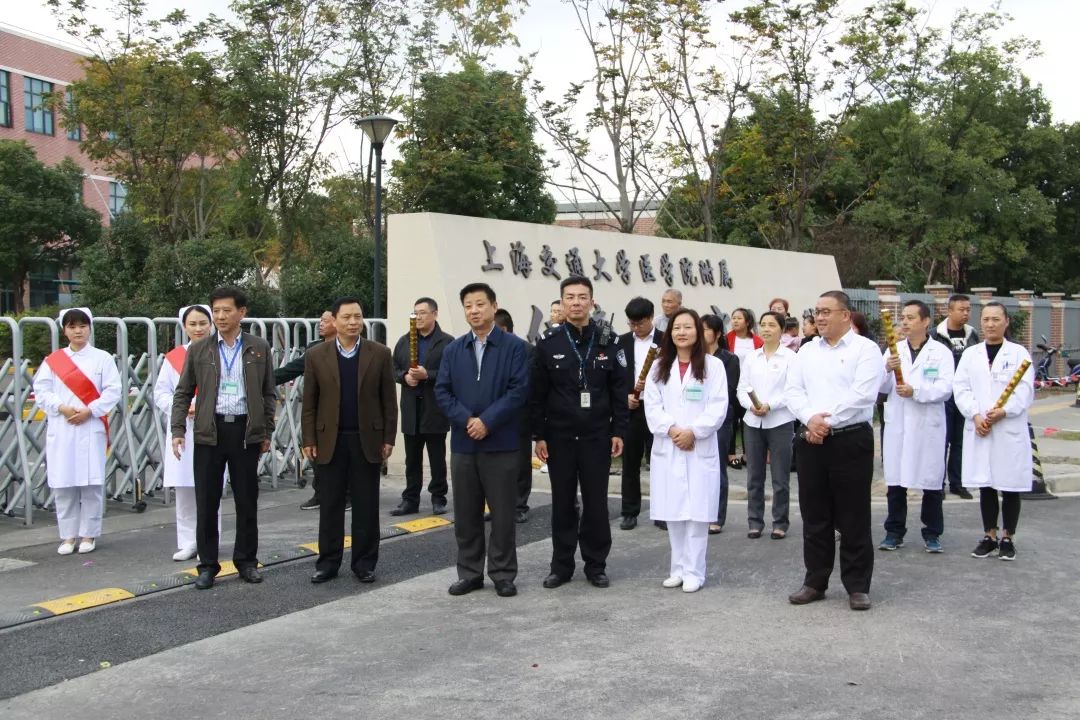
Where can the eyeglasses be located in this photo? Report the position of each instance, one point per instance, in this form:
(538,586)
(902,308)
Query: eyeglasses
(826,312)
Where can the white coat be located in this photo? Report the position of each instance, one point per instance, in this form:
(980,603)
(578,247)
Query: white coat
(178,473)
(685,485)
(75,454)
(913,451)
(1002,459)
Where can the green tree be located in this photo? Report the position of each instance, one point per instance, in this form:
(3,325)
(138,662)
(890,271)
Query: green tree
(44,220)
(471,150)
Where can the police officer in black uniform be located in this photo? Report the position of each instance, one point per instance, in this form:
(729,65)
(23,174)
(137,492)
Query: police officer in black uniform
(579,418)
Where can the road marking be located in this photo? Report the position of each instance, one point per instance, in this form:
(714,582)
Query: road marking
(82,601)
(13,564)
(227,569)
(422,524)
(314,547)
(1040,409)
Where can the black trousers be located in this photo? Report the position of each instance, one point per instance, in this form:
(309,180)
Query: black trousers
(834,494)
(348,471)
(477,478)
(583,463)
(1010,509)
(525,471)
(736,426)
(414,466)
(634,452)
(933,519)
(954,429)
(209,465)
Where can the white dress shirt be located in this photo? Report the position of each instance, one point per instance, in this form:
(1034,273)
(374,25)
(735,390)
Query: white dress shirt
(842,380)
(767,377)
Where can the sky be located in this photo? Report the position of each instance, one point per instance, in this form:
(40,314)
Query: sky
(550,30)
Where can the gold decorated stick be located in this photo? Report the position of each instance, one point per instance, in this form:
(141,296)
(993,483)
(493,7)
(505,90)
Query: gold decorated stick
(890,339)
(753,398)
(650,356)
(1011,387)
(414,350)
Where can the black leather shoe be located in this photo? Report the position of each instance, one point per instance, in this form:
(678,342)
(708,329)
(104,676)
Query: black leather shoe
(962,492)
(405,508)
(438,506)
(629,522)
(554,580)
(660,524)
(505,588)
(859,601)
(250,575)
(464,587)
(366,576)
(805,595)
(600,580)
(522,516)
(205,581)
(322,576)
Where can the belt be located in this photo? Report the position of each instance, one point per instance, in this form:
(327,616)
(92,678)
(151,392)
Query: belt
(849,428)
(231,418)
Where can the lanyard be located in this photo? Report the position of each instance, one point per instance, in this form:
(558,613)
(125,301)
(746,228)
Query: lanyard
(227,361)
(582,361)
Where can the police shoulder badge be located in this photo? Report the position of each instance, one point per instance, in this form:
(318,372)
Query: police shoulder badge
(621,357)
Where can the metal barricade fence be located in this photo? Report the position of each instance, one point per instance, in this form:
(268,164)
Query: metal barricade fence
(138,430)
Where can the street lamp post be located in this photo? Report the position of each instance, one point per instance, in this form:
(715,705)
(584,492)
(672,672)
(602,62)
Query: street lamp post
(377,128)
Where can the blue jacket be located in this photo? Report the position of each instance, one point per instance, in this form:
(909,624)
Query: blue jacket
(497,394)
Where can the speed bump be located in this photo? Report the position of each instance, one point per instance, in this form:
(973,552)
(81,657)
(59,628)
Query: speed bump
(82,601)
(422,524)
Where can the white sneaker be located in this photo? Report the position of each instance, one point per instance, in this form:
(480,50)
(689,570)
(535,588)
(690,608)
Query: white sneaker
(673,582)
(66,548)
(87,546)
(691,586)
(185,554)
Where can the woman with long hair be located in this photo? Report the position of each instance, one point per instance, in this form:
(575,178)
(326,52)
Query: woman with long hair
(716,345)
(685,404)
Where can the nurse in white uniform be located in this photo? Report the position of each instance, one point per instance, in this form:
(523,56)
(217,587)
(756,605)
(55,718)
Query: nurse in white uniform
(179,474)
(686,400)
(77,387)
(997,448)
(913,446)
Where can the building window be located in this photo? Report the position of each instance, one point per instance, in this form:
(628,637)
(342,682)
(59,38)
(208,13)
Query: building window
(39,117)
(73,133)
(117,198)
(5,98)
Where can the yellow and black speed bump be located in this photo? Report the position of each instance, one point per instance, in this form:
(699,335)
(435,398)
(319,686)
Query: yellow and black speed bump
(107,596)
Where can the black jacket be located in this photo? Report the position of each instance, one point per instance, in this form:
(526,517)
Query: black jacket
(423,417)
(626,347)
(733,370)
(555,403)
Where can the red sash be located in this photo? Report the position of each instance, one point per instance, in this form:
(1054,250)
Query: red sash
(76,381)
(176,358)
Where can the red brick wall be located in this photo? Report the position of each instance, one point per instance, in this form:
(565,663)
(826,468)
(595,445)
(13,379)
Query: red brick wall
(25,57)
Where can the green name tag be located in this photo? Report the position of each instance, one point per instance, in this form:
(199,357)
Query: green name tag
(230,388)
(694,393)
(930,372)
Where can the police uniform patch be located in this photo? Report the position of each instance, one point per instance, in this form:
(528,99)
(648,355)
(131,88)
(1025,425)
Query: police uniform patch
(621,357)
(560,356)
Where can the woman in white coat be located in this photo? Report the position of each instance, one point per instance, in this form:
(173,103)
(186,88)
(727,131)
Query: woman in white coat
(686,400)
(913,444)
(997,447)
(179,472)
(77,387)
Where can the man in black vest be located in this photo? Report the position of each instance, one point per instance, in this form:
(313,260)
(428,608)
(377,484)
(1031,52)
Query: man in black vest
(579,418)
(422,422)
(633,347)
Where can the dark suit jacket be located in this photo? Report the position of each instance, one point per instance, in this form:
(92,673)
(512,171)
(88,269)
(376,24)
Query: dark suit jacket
(626,343)
(376,400)
(433,420)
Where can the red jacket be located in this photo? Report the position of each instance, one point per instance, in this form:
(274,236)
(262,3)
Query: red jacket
(758,342)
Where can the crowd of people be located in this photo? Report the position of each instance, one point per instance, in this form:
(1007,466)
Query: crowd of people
(676,392)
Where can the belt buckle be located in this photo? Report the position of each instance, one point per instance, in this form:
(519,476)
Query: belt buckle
(230,418)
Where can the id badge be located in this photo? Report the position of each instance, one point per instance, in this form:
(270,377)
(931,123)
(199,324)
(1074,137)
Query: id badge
(930,372)
(230,388)
(586,399)
(693,393)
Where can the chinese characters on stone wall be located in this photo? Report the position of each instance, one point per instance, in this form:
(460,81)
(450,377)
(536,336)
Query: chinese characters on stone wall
(691,273)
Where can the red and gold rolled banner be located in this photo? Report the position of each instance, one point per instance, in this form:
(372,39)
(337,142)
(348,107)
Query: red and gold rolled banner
(1013,382)
(650,356)
(414,350)
(890,340)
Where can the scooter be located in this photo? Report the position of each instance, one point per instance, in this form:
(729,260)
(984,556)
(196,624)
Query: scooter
(1042,370)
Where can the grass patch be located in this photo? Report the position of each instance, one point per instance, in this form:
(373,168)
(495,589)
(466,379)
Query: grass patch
(1066,435)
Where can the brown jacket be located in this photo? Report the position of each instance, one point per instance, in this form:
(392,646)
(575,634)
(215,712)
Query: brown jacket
(202,374)
(376,398)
